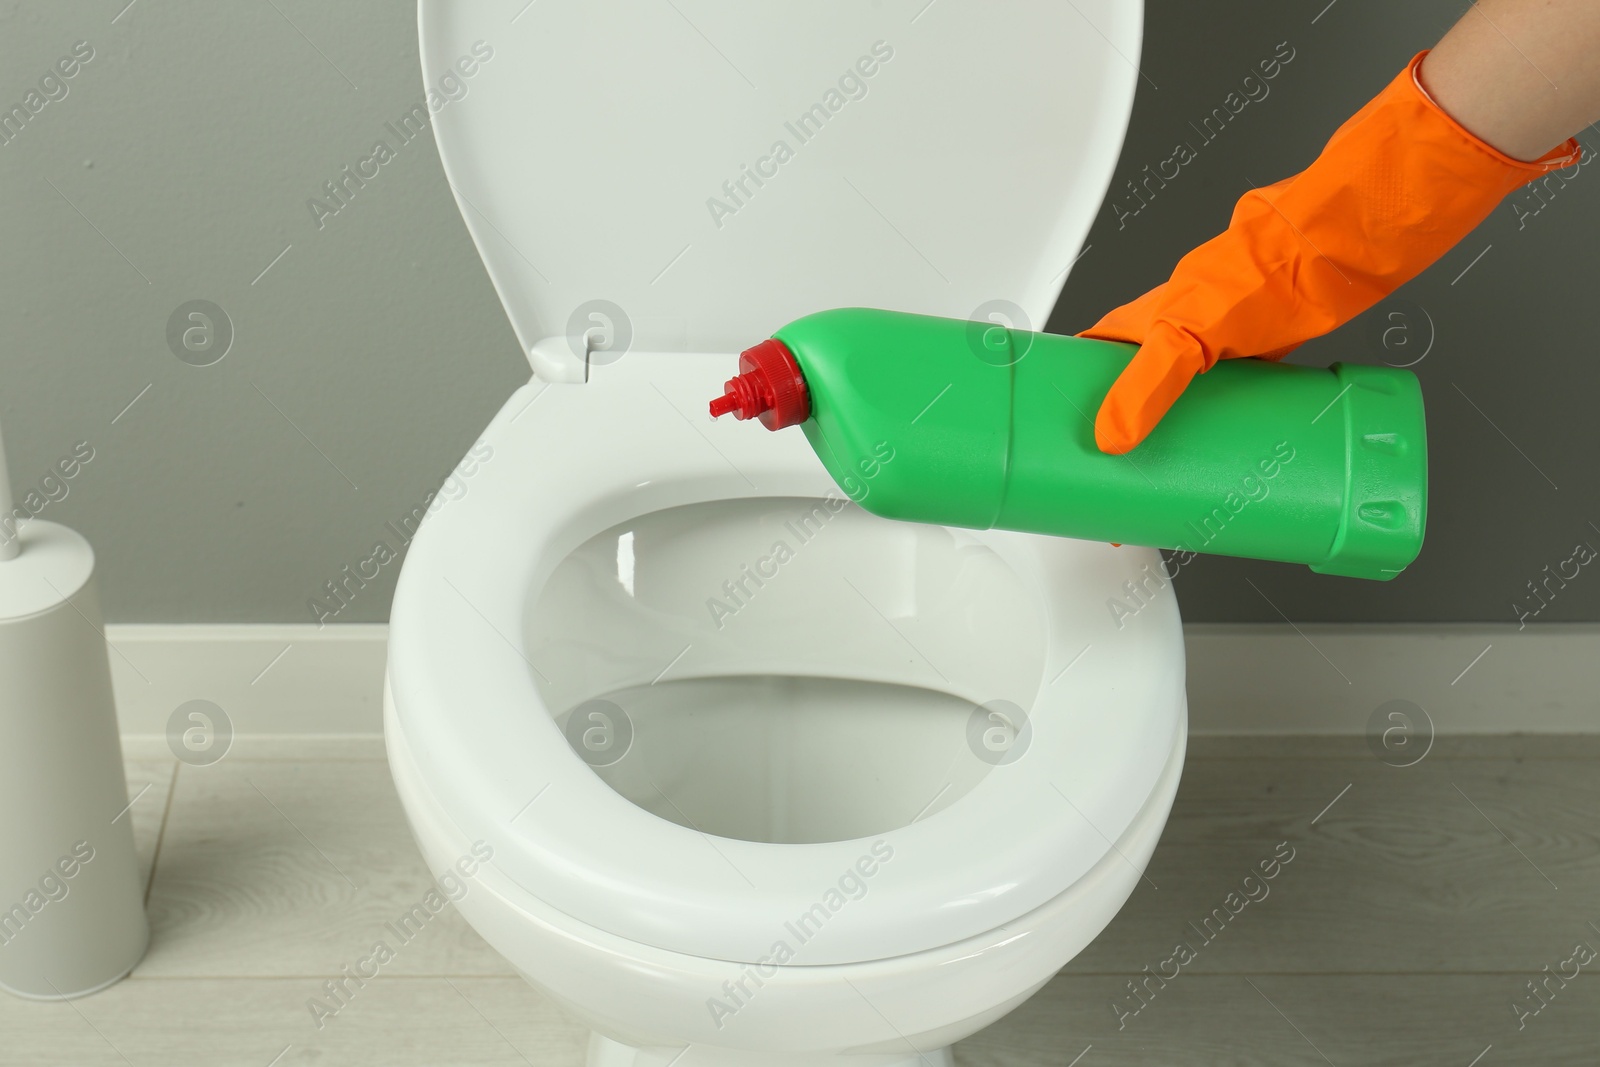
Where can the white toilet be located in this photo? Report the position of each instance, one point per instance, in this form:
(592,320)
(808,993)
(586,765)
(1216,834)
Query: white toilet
(761,778)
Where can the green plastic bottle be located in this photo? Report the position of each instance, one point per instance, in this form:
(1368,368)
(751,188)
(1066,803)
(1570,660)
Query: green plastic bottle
(976,425)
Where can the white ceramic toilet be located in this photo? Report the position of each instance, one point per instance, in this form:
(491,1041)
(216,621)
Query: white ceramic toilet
(764,779)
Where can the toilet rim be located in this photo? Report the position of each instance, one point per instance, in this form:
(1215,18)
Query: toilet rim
(442,839)
(463,694)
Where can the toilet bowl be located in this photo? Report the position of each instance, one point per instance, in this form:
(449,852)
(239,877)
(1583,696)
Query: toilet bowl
(733,771)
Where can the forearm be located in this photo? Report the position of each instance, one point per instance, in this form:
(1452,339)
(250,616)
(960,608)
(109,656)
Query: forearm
(1523,75)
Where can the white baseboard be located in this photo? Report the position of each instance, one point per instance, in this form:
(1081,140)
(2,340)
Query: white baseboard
(1328,678)
(1317,678)
(285,680)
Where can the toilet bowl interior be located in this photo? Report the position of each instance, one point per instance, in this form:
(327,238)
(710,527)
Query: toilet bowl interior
(591,559)
(786,669)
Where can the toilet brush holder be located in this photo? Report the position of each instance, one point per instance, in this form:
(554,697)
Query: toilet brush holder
(72,917)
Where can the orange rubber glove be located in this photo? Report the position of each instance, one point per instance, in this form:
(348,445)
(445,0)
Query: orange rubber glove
(1396,187)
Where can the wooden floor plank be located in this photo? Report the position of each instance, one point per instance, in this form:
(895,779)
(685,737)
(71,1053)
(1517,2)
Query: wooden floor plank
(149,785)
(1302,1021)
(392,1022)
(275,868)
(1345,746)
(1193,1021)
(1449,866)
(1418,904)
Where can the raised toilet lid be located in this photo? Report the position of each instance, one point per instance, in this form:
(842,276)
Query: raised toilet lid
(689,176)
(955,165)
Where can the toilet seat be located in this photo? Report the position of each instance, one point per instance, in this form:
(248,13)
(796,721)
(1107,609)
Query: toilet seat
(949,160)
(466,696)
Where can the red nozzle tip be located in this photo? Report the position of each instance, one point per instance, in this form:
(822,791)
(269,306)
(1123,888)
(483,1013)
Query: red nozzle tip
(769,386)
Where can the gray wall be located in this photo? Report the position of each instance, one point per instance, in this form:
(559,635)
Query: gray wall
(364,362)
(366,359)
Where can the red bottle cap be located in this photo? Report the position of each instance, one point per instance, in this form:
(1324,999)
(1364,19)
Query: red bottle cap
(769,386)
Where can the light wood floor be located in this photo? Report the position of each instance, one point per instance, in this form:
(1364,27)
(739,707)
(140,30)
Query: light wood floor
(1418,904)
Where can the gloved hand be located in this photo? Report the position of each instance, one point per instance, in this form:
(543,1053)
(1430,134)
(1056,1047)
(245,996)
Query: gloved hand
(1397,186)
